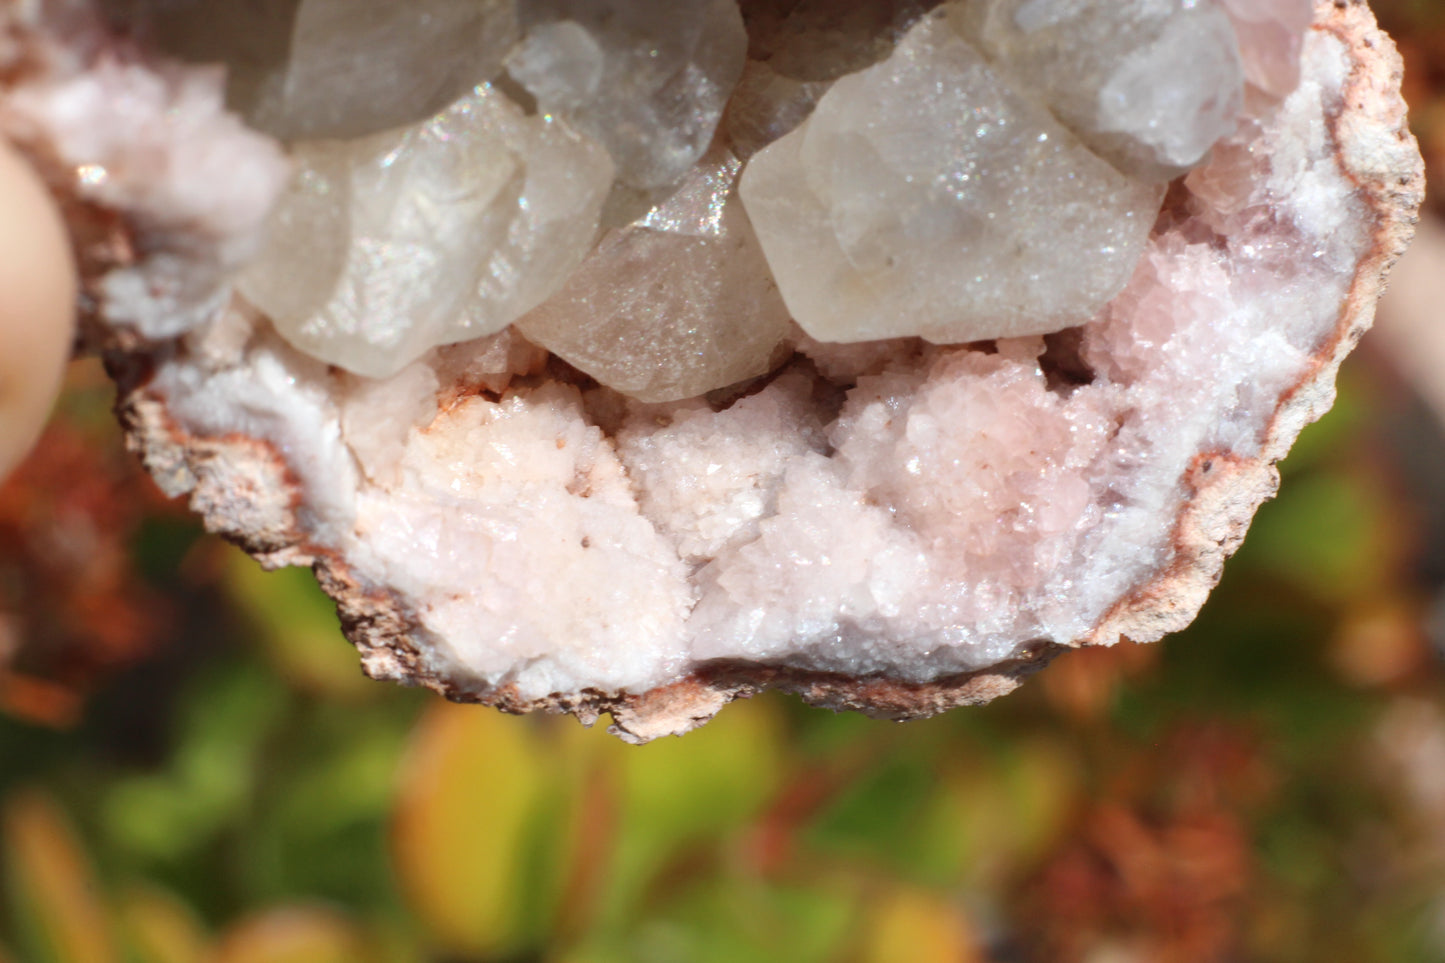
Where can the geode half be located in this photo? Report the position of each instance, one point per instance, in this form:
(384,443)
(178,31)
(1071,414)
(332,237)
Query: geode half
(896,526)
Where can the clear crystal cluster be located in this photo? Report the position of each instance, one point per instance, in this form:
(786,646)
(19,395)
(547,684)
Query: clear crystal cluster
(391,244)
(656,190)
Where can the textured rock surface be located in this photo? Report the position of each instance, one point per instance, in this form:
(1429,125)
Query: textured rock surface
(521,537)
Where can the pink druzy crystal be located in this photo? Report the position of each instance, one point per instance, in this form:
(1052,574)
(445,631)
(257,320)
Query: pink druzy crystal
(1270,35)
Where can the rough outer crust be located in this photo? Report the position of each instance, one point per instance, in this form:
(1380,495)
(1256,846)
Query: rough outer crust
(244,490)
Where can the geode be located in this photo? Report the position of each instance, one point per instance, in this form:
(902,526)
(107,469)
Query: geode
(874,351)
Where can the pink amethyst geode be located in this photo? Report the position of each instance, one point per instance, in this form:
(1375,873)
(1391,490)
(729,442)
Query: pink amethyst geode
(892,526)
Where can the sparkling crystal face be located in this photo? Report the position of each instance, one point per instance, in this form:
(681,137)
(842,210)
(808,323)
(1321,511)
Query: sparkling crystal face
(662,192)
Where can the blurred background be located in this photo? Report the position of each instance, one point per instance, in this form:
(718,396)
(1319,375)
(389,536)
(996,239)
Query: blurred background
(193,769)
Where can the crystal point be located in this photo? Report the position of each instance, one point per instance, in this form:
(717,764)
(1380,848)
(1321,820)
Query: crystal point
(647,78)
(1148,84)
(881,221)
(674,305)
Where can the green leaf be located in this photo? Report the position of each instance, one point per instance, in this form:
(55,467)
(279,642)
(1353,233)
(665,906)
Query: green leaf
(733,919)
(211,779)
(1329,535)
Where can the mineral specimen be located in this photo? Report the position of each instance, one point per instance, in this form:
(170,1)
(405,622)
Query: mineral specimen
(821,40)
(1270,32)
(334,68)
(894,524)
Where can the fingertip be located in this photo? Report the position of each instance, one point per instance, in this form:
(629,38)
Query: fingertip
(37,306)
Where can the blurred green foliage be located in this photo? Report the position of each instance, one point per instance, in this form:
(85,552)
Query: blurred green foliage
(1219,796)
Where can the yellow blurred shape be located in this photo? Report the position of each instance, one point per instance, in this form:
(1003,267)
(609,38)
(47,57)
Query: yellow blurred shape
(160,928)
(713,777)
(1379,643)
(911,926)
(988,818)
(52,883)
(472,787)
(293,935)
(1043,781)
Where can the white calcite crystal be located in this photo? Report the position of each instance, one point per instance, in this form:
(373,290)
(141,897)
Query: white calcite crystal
(710,478)
(899,525)
(152,144)
(387,246)
(647,78)
(303,69)
(674,305)
(1148,84)
(355,67)
(538,474)
(926,196)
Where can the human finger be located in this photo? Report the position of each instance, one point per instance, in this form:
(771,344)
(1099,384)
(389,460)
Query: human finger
(37,306)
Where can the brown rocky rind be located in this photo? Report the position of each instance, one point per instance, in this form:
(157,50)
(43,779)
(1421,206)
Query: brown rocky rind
(246,491)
